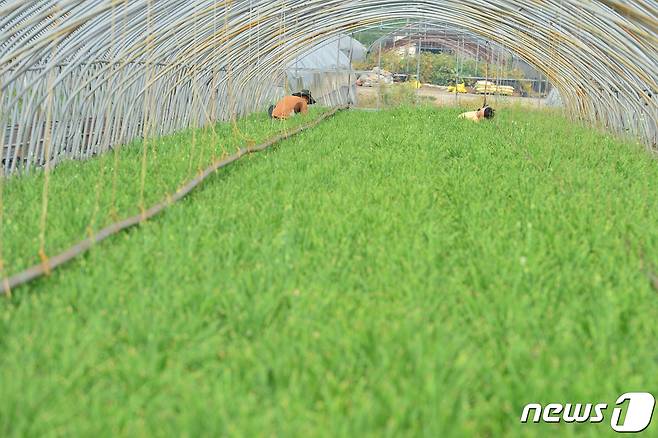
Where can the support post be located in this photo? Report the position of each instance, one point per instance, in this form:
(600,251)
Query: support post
(379,75)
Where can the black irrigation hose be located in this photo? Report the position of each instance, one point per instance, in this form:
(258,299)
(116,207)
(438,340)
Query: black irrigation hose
(45,268)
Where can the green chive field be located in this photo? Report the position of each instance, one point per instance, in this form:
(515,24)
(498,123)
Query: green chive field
(384,274)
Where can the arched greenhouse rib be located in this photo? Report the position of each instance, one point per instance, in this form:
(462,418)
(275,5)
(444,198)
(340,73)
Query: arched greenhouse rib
(78,77)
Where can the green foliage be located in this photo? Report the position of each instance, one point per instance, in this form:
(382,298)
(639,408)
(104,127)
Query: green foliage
(84,189)
(401,273)
(525,86)
(396,95)
(439,69)
(368,37)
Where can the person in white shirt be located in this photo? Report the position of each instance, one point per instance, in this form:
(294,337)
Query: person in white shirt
(486,112)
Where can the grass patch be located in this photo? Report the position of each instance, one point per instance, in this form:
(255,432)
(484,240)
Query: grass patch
(385,274)
(86,196)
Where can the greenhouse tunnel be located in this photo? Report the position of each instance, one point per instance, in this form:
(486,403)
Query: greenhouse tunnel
(451,233)
(79,77)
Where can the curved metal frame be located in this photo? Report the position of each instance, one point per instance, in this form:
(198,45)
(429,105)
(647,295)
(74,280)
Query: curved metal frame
(79,76)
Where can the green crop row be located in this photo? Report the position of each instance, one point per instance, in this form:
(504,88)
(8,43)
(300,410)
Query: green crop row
(400,273)
(85,196)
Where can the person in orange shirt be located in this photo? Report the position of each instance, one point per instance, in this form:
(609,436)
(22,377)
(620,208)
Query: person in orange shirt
(289,105)
(486,112)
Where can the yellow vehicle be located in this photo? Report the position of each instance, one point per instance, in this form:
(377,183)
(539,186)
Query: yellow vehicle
(460,88)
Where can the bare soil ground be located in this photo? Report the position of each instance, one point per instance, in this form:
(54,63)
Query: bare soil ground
(368,97)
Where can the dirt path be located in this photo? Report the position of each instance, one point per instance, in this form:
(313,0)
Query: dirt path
(367,98)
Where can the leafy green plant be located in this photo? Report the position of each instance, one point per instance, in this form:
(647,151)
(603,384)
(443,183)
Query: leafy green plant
(399,273)
(399,94)
(435,68)
(97,192)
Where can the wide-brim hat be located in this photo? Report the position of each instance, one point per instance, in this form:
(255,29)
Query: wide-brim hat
(305,93)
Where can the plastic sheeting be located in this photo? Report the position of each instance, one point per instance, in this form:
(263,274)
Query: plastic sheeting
(326,70)
(78,77)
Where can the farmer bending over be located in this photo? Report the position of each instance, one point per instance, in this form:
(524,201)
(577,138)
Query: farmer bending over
(289,105)
(486,112)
